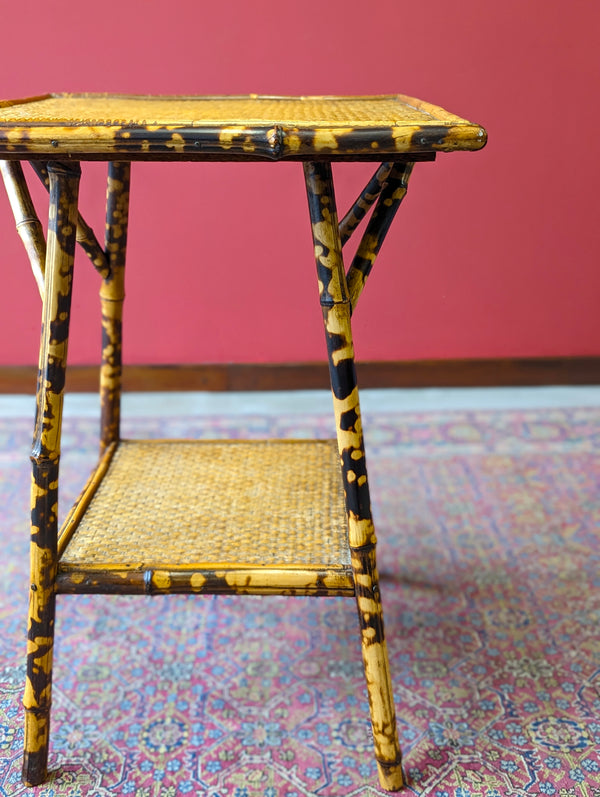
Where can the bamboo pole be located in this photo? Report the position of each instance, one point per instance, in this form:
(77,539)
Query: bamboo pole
(85,235)
(336,307)
(364,202)
(112,294)
(28,224)
(206,578)
(388,203)
(45,456)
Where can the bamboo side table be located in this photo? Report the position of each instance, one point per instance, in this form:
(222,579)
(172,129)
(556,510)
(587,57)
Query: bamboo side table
(289,519)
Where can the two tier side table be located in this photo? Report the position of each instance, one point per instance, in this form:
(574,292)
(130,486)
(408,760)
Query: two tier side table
(149,520)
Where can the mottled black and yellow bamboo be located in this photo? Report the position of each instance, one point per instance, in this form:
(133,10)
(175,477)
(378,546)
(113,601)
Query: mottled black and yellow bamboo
(86,126)
(45,456)
(205,580)
(392,194)
(28,224)
(62,129)
(86,237)
(112,294)
(336,309)
(364,202)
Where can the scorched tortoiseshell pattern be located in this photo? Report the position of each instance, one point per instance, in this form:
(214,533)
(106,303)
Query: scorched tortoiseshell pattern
(55,132)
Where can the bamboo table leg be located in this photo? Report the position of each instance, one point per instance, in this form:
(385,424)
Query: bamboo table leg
(112,293)
(45,456)
(336,306)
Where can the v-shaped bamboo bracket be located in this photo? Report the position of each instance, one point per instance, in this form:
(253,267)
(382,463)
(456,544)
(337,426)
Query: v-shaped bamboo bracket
(387,188)
(30,227)
(85,235)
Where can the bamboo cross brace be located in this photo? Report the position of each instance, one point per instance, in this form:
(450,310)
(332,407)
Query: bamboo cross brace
(27,222)
(85,235)
(392,194)
(362,205)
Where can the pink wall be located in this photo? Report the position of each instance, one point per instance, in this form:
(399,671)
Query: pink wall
(493,253)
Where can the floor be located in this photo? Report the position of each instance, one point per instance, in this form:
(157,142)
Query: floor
(298,401)
(487,505)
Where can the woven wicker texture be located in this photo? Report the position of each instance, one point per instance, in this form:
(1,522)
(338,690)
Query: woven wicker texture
(189,502)
(385,111)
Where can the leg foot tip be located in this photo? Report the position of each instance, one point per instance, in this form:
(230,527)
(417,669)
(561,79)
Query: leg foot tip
(33,780)
(391,776)
(34,771)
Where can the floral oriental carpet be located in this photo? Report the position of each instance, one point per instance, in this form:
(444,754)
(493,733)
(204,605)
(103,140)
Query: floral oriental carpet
(489,530)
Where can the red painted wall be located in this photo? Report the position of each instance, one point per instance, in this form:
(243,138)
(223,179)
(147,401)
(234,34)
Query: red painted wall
(493,253)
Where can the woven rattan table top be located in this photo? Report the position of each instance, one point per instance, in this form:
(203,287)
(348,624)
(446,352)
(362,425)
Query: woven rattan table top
(222,128)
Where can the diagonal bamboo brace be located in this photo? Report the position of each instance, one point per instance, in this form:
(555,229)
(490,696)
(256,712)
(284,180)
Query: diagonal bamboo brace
(363,204)
(87,240)
(391,196)
(85,235)
(28,225)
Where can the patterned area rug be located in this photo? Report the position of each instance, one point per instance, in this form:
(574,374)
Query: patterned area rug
(489,557)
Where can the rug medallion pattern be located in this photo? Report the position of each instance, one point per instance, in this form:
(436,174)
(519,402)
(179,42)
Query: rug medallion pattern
(489,560)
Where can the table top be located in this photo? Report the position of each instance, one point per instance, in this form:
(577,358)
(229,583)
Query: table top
(128,127)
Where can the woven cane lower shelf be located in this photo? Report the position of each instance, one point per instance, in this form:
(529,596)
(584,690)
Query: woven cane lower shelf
(210,516)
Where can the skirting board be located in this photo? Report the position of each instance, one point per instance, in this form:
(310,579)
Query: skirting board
(306,376)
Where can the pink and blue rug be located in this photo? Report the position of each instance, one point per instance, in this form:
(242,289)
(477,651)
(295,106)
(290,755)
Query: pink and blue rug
(489,527)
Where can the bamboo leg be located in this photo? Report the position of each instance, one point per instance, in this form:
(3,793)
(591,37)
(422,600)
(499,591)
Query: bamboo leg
(45,456)
(112,293)
(336,308)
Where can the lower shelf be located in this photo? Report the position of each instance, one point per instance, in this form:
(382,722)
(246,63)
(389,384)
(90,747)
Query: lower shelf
(165,516)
